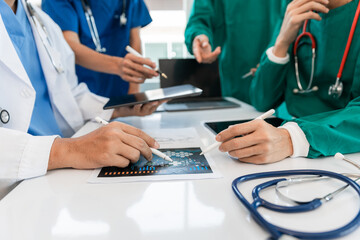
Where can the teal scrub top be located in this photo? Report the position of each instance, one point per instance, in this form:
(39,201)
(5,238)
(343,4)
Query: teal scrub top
(243,29)
(43,122)
(331,125)
(70,16)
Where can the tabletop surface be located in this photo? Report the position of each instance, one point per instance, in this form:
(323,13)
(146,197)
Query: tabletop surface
(62,205)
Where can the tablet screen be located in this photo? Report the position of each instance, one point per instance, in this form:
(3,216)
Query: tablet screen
(217,127)
(186,90)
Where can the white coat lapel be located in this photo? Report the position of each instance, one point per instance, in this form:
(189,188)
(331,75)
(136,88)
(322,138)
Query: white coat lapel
(9,57)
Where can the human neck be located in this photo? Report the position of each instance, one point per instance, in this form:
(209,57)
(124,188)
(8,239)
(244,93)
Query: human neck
(337,3)
(12,4)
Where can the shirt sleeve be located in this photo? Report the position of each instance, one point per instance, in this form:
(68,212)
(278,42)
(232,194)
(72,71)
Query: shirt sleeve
(299,142)
(63,13)
(269,83)
(206,18)
(23,156)
(334,131)
(140,14)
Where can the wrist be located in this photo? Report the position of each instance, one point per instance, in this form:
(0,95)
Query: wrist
(288,149)
(115,64)
(60,154)
(281,48)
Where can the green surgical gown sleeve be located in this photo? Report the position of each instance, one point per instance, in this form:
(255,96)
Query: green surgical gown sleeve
(332,132)
(206,18)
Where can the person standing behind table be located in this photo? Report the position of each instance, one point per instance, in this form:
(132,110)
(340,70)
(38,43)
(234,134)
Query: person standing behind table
(235,31)
(108,71)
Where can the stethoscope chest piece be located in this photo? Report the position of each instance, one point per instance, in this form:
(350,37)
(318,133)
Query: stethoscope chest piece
(4,116)
(336,89)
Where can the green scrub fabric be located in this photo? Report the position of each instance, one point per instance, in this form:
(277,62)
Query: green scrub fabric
(331,125)
(243,30)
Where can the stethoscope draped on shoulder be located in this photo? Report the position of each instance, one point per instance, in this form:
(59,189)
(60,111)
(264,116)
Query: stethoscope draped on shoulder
(337,88)
(92,25)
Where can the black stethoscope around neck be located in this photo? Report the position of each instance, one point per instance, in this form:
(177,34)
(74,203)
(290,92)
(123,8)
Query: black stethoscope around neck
(336,89)
(92,25)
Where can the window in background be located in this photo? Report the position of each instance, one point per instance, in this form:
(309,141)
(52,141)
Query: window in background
(164,37)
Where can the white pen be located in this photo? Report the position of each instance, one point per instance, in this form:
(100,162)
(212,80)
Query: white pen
(133,51)
(153,150)
(217,144)
(246,75)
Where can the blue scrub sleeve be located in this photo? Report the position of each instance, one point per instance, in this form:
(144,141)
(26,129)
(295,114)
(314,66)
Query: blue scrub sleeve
(140,14)
(63,13)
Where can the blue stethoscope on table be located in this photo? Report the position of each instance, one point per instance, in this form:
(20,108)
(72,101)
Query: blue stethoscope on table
(277,232)
(92,25)
(336,89)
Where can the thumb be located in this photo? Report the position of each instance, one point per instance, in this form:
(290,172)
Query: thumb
(217,51)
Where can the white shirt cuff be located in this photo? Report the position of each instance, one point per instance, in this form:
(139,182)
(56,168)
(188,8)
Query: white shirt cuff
(35,158)
(270,54)
(300,143)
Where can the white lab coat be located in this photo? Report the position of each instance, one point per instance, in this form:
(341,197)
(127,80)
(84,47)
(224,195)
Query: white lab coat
(22,155)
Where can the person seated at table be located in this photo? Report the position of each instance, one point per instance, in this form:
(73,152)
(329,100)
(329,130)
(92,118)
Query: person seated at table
(327,111)
(39,90)
(102,61)
(236,32)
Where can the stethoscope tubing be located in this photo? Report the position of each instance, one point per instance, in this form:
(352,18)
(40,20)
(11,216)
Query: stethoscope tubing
(276,231)
(306,207)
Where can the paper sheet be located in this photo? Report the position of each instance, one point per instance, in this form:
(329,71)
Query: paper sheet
(182,145)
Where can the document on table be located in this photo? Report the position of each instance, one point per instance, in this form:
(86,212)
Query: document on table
(182,145)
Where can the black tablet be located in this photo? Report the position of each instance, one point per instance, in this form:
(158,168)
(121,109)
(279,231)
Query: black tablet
(180,91)
(217,127)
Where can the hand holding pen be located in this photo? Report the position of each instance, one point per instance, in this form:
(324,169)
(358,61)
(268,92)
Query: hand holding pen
(153,150)
(134,52)
(217,144)
(260,142)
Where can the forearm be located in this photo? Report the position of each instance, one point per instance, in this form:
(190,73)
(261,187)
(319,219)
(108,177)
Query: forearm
(135,43)
(89,58)
(200,22)
(268,86)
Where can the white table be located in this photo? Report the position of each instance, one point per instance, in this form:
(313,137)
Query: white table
(61,205)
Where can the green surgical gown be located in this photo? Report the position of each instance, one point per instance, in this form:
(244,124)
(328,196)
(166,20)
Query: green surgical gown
(331,125)
(243,29)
